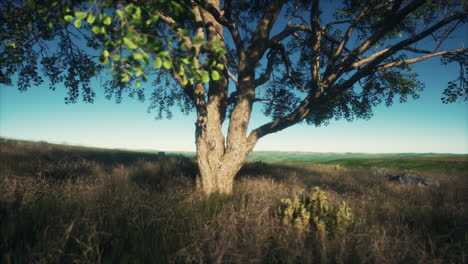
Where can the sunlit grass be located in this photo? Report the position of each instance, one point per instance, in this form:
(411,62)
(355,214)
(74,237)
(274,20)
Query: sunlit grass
(65,205)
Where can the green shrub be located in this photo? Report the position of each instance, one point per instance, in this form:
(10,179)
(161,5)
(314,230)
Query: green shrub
(313,213)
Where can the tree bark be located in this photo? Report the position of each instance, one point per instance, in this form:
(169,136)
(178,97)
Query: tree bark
(218,160)
(216,172)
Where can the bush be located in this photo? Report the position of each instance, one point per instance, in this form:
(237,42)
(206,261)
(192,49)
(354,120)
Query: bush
(313,213)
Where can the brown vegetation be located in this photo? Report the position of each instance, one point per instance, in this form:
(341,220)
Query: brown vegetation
(71,209)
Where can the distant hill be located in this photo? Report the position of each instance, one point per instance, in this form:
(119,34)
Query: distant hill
(265,156)
(280,156)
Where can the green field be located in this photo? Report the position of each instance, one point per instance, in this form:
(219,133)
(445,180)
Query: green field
(65,204)
(279,156)
(390,160)
(399,163)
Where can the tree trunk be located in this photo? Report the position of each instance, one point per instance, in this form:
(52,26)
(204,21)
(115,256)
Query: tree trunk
(217,172)
(218,162)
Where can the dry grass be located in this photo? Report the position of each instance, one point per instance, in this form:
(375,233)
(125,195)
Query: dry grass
(86,207)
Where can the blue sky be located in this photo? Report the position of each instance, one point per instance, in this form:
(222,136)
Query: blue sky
(423,125)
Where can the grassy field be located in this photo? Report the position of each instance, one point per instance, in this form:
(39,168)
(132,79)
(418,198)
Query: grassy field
(317,157)
(424,164)
(61,204)
(314,157)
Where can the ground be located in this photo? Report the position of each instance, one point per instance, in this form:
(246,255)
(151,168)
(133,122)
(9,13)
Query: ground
(62,204)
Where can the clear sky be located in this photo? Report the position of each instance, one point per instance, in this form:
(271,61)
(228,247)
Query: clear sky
(423,125)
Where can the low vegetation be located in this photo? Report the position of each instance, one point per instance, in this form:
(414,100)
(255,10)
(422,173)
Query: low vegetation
(62,204)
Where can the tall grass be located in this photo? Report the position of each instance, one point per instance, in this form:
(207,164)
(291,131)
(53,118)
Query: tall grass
(65,205)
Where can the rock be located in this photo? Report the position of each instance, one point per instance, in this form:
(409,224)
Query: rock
(409,178)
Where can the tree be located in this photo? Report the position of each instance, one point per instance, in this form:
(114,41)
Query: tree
(294,57)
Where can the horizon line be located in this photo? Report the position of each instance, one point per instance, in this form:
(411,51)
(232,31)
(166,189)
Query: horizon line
(194,151)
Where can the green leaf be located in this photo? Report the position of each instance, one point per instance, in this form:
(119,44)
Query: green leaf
(138,56)
(220,66)
(137,13)
(157,63)
(216,43)
(120,13)
(130,43)
(164,54)
(96,29)
(77,23)
(215,75)
(125,79)
(181,71)
(105,53)
(138,72)
(129,8)
(198,40)
(205,76)
(137,84)
(91,18)
(184,80)
(167,64)
(68,18)
(107,20)
(12,45)
(80,15)
(115,57)
(185,32)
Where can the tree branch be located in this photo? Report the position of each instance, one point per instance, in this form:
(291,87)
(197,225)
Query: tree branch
(371,66)
(344,41)
(170,22)
(225,21)
(260,38)
(198,20)
(337,23)
(232,77)
(315,46)
(384,54)
(193,91)
(266,75)
(446,34)
(289,30)
(301,112)
(387,24)
(414,60)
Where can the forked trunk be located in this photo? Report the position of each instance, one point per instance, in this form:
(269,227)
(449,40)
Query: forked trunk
(217,170)
(219,160)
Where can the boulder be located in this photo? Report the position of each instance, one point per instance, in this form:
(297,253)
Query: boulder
(409,178)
